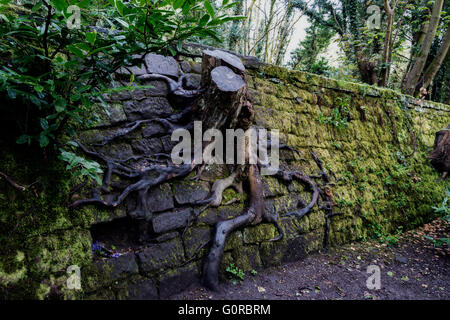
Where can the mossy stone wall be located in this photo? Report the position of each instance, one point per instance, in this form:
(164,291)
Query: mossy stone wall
(375,153)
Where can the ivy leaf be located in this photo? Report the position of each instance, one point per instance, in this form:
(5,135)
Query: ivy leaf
(60,105)
(72,143)
(209,8)
(44,123)
(24,139)
(98,180)
(204,20)
(60,5)
(178,4)
(76,51)
(119,6)
(37,7)
(43,141)
(91,36)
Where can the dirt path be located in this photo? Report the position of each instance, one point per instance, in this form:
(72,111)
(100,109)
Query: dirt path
(412,269)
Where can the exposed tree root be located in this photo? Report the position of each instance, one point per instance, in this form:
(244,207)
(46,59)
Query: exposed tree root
(223,103)
(175,87)
(219,186)
(327,197)
(290,176)
(170,124)
(255,214)
(223,229)
(12,182)
(147,177)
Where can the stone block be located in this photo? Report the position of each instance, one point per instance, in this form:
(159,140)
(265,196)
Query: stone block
(137,289)
(160,198)
(109,115)
(159,64)
(259,233)
(192,81)
(194,238)
(148,108)
(187,192)
(106,271)
(178,280)
(153,129)
(147,146)
(171,220)
(161,256)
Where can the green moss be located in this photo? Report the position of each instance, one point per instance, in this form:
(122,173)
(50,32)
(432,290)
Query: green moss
(55,252)
(230,194)
(259,233)
(380,182)
(247,257)
(234,241)
(11,272)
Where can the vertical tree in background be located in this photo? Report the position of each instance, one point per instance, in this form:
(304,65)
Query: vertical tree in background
(317,40)
(236,31)
(265,33)
(405,51)
(436,64)
(412,79)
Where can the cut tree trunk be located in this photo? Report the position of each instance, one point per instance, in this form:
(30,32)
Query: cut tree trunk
(217,58)
(224,99)
(440,157)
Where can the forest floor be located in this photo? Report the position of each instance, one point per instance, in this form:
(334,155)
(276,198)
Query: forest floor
(413,268)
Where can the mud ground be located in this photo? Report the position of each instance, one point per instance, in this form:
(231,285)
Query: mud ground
(412,268)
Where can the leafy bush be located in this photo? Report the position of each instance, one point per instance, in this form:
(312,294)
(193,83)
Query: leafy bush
(444,212)
(444,209)
(339,115)
(235,273)
(83,167)
(52,68)
(321,67)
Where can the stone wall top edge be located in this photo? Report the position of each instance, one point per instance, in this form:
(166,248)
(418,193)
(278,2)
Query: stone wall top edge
(294,76)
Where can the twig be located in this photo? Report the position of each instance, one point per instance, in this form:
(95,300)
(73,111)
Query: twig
(12,182)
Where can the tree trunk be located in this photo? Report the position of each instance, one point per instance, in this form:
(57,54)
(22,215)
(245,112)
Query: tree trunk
(417,41)
(235,36)
(416,71)
(268,24)
(436,64)
(384,73)
(440,157)
(217,58)
(224,99)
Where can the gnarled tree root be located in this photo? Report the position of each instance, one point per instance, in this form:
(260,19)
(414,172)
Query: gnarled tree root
(253,215)
(223,229)
(288,177)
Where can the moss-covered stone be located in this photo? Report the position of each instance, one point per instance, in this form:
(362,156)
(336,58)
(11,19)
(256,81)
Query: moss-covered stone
(376,159)
(259,233)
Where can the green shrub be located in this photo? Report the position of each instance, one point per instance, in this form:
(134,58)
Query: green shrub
(52,69)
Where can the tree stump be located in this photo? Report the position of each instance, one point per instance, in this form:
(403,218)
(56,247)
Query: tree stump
(440,157)
(225,103)
(217,58)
